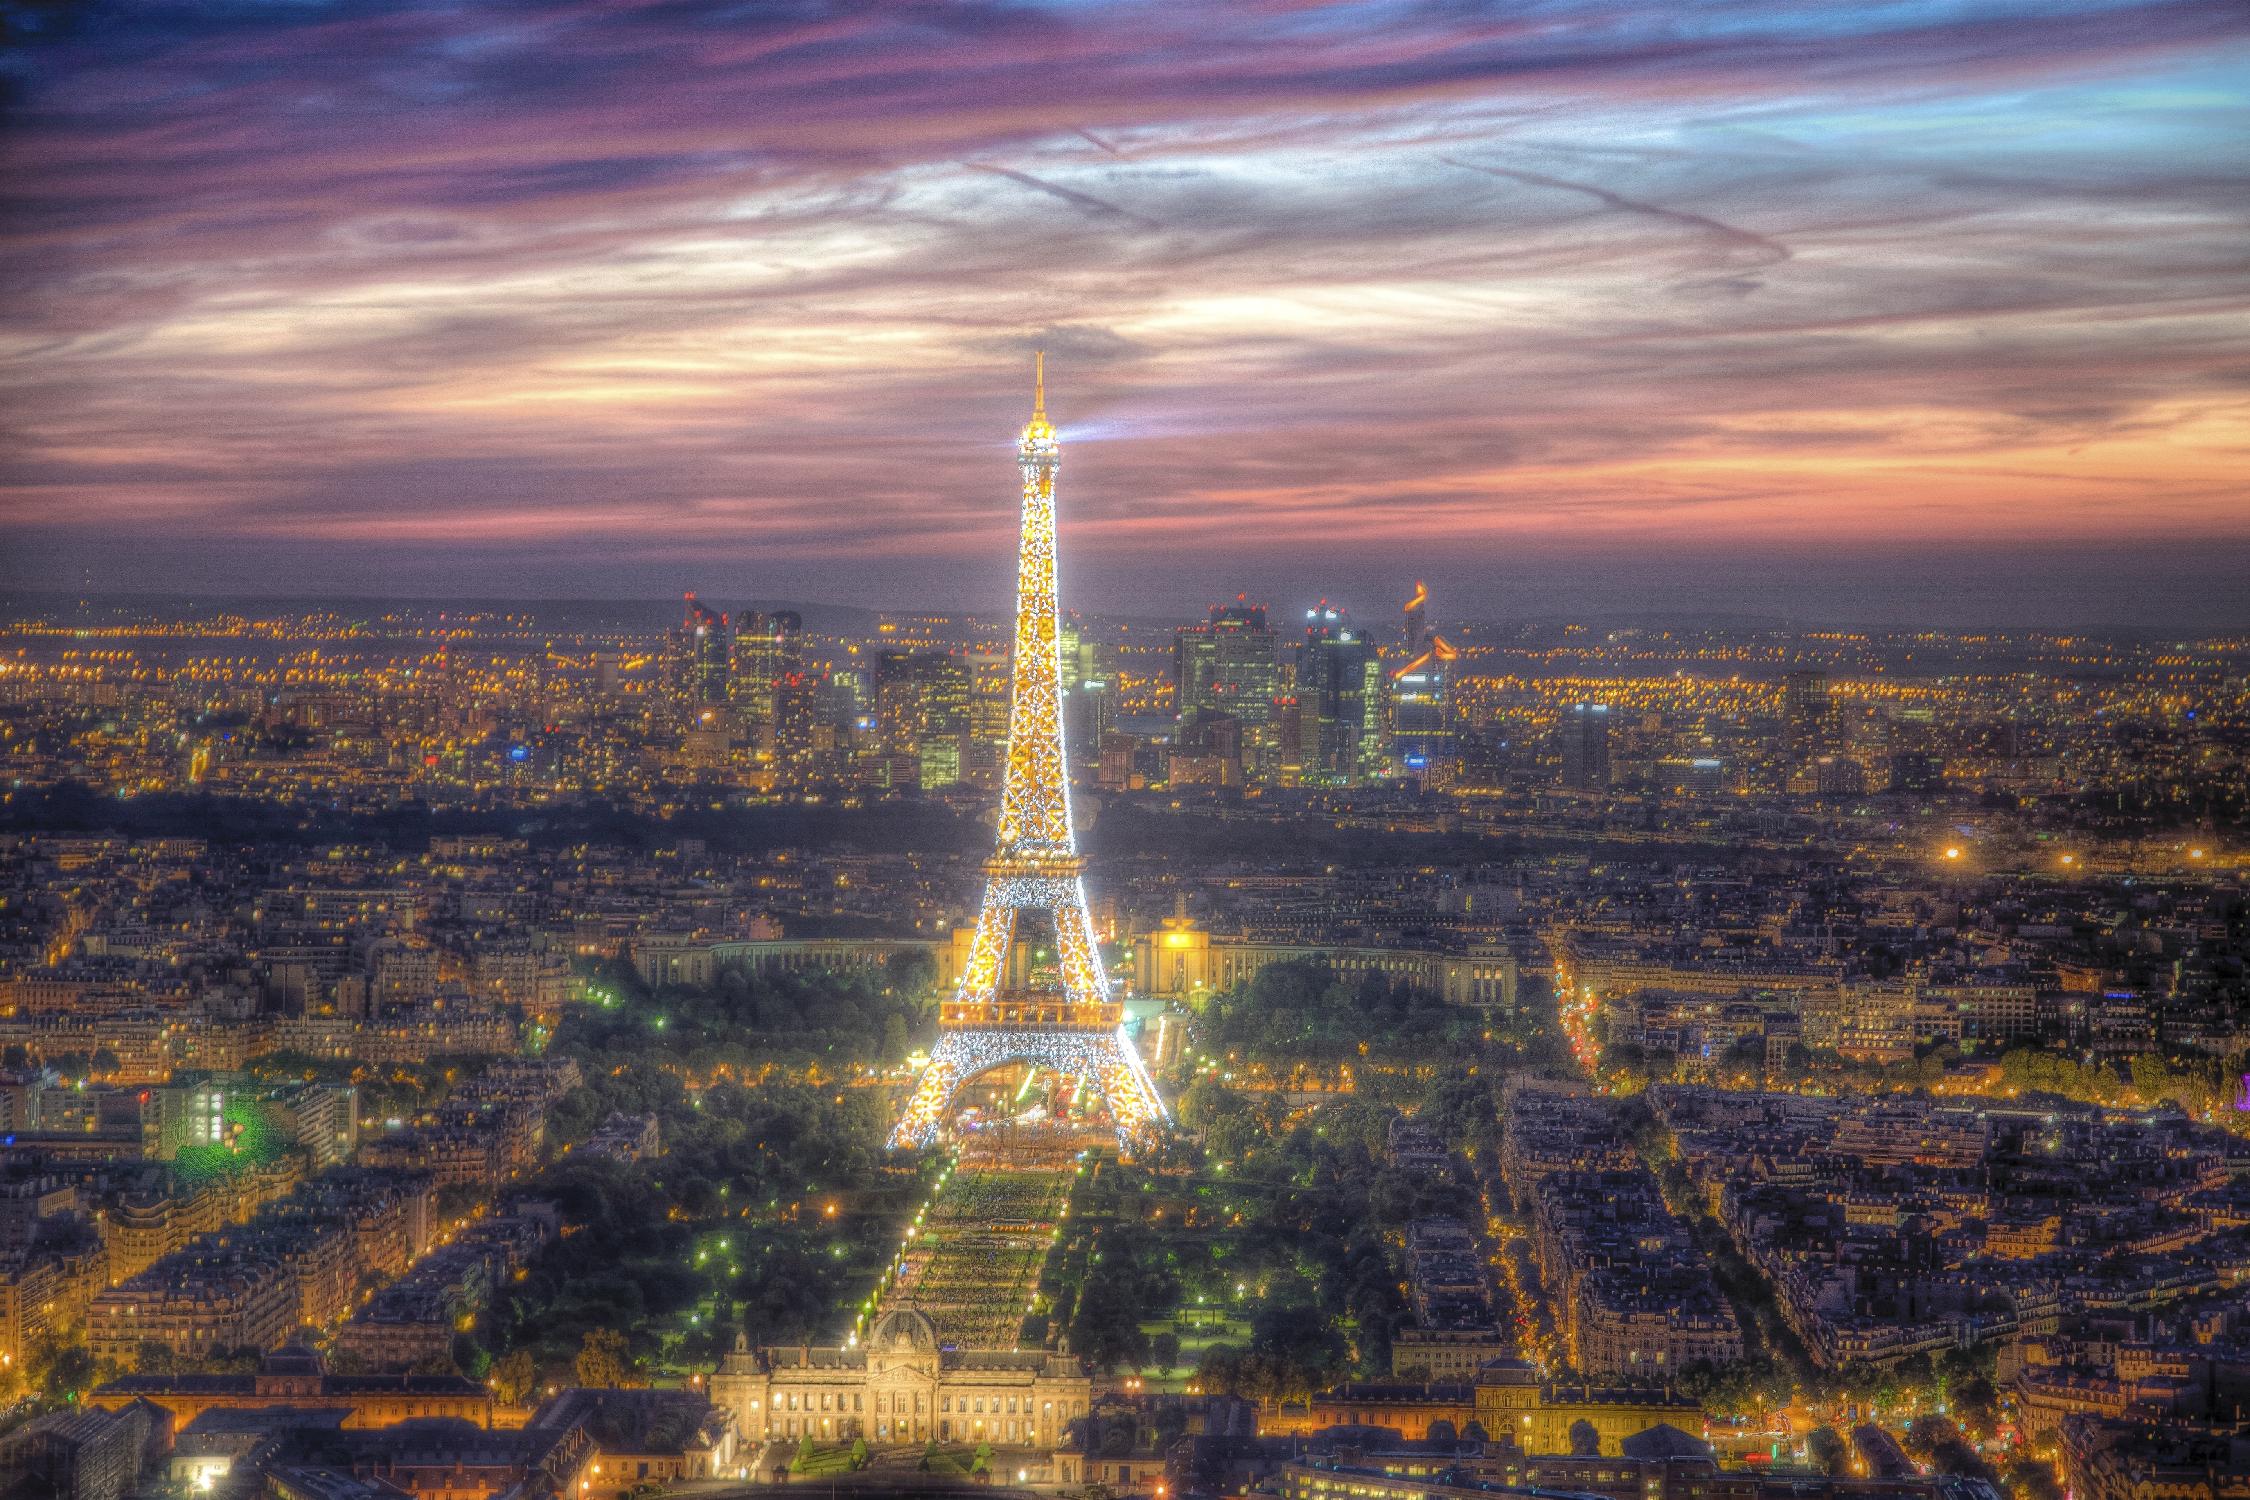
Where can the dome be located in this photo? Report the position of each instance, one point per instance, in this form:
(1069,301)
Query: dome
(903,1331)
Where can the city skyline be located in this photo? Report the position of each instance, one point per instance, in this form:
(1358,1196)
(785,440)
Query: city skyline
(1850,317)
(1597,849)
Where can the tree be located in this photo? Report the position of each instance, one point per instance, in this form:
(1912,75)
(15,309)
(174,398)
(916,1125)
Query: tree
(601,1361)
(1929,1432)
(859,1453)
(1828,1451)
(514,1378)
(155,1357)
(1164,1348)
(1979,1405)
(1585,1439)
(806,1452)
(60,1370)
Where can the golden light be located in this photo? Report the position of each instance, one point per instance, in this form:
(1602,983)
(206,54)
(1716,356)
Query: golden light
(1953,852)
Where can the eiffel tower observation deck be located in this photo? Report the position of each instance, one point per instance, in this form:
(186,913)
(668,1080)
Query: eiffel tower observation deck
(1066,1019)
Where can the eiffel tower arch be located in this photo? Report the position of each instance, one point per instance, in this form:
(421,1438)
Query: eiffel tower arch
(1071,1023)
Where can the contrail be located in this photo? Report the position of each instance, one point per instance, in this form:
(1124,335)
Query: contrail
(1086,201)
(1759,242)
(1094,140)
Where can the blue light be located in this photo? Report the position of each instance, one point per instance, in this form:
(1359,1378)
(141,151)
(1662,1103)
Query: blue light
(519,753)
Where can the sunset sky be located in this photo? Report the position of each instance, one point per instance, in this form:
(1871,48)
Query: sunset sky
(1882,311)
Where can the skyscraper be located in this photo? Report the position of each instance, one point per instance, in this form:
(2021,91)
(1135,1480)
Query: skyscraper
(1585,746)
(1340,698)
(1805,712)
(991,683)
(695,663)
(1227,666)
(1422,747)
(1421,701)
(768,649)
(922,705)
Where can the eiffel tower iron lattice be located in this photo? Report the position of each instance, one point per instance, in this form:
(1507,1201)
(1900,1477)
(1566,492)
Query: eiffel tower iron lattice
(1071,1024)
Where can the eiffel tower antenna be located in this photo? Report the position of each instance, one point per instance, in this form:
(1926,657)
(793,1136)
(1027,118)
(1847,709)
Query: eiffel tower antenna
(1002,1013)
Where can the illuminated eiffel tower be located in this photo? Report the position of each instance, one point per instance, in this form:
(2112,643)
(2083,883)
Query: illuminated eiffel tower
(1067,1022)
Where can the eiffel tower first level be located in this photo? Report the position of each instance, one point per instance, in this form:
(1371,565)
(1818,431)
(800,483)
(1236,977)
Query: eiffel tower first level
(1061,1017)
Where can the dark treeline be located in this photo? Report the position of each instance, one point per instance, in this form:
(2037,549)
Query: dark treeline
(897,825)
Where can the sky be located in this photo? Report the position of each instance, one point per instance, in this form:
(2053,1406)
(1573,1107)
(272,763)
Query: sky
(1896,312)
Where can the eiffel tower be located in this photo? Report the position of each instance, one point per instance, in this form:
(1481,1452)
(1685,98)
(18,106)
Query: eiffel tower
(1068,1022)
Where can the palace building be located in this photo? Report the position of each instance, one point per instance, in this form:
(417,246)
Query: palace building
(900,1386)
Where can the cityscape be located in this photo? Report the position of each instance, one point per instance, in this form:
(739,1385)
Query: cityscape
(600,899)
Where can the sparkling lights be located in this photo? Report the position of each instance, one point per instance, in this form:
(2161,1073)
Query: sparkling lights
(1107,1057)
(1036,867)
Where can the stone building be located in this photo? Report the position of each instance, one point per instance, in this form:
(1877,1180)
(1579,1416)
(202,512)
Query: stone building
(1507,1401)
(899,1386)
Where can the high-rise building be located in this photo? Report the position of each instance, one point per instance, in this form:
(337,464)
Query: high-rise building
(990,685)
(1207,750)
(1422,747)
(768,648)
(1340,696)
(1227,666)
(695,662)
(1421,706)
(1585,746)
(922,707)
(1805,711)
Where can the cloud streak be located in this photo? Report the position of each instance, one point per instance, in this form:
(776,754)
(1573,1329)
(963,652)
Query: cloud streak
(583,290)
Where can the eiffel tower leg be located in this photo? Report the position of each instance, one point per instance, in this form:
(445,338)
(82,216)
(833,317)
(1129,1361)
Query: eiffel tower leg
(1084,980)
(988,954)
(1129,1092)
(1106,1058)
(918,1123)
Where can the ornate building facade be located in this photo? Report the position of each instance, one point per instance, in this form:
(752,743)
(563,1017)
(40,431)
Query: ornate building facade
(898,1386)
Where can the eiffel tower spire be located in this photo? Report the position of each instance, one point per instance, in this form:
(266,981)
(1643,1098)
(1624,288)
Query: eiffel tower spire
(1071,1024)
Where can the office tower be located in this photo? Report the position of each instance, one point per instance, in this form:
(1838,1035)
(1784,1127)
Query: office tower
(1422,739)
(1805,712)
(922,708)
(695,663)
(1227,665)
(1585,746)
(1077,655)
(1207,750)
(768,648)
(1421,701)
(990,684)
(1340,696)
